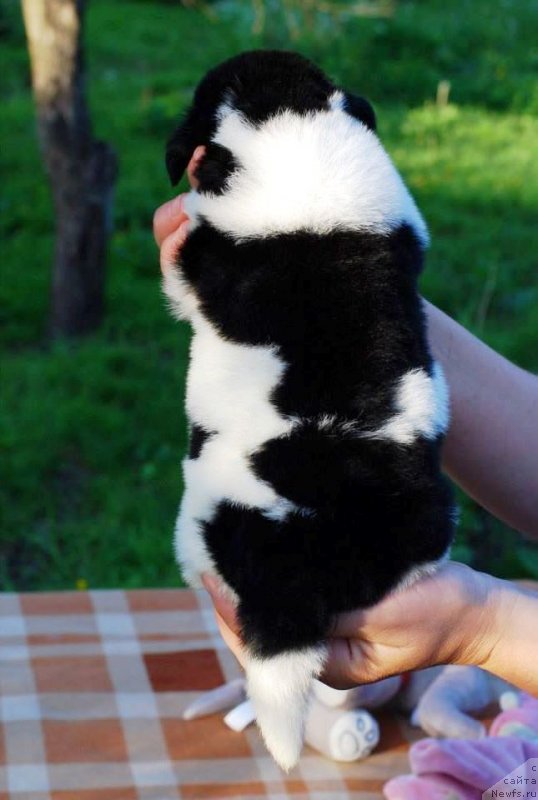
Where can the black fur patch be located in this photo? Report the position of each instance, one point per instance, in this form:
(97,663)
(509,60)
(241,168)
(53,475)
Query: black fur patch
(361,109)
(215,168)
(198,437)
(263,82)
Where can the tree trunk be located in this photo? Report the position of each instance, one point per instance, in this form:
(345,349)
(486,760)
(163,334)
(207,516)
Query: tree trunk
(82,170)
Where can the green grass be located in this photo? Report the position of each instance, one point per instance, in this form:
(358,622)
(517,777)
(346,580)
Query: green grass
(93,433)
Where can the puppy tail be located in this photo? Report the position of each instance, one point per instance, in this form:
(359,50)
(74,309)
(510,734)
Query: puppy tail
(279,688)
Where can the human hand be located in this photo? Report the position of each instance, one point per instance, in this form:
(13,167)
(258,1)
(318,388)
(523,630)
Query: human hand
(171,223)
(444,618)
(448,617)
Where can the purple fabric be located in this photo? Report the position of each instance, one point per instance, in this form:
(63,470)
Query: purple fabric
(477,763)
(459,769)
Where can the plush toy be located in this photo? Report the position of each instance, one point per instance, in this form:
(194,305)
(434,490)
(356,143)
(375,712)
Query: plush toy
(442,708)
(339,725)
(336,725)
(464,769)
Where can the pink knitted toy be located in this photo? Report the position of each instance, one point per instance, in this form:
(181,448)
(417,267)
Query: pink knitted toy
(459,769)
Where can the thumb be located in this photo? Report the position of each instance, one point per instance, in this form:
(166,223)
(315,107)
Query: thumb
(171,246)
(347,664)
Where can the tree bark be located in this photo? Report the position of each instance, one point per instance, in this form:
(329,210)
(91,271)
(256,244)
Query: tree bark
(82,170)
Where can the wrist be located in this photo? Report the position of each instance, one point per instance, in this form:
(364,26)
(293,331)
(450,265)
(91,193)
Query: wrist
(494,628)
(483,618)
(513,652)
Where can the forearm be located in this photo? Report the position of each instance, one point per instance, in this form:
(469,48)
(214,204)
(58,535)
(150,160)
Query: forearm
(491,449)
(511,648)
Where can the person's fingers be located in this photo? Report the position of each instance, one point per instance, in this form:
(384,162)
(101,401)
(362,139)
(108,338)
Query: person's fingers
(232,639)
(225,614)
(339,670)
(224,604)
(347,624)
(171,215)
(171,246)
(168,218)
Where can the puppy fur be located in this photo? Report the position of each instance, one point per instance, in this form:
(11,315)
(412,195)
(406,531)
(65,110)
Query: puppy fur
(317,414)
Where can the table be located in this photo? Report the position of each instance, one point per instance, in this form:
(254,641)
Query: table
(92,688)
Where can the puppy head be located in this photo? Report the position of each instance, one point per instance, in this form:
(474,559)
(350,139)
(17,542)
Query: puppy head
(258,84)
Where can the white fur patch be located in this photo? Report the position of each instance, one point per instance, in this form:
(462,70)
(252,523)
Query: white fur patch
(182,300)
(337,101)
(228,394)
(280,688)
(229,387)
(189,545)
(318,172)
(422,408)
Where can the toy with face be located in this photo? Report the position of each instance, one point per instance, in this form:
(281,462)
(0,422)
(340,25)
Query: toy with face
(312,484)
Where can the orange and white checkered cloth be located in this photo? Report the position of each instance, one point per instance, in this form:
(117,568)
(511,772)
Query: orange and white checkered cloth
(92,690)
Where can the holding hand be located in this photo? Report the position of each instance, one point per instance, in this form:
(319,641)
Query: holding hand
(170,228)
(435,621)
(456,616)
(170,223)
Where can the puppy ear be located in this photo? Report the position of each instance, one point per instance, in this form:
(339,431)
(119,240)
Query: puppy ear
(361,109)
(181,146)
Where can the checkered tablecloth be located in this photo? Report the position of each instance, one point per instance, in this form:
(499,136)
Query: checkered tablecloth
(92,688)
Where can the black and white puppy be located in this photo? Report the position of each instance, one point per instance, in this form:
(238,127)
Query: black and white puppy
(317,414)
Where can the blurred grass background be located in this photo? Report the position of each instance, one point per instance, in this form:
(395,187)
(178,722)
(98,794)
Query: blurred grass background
(93,433)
